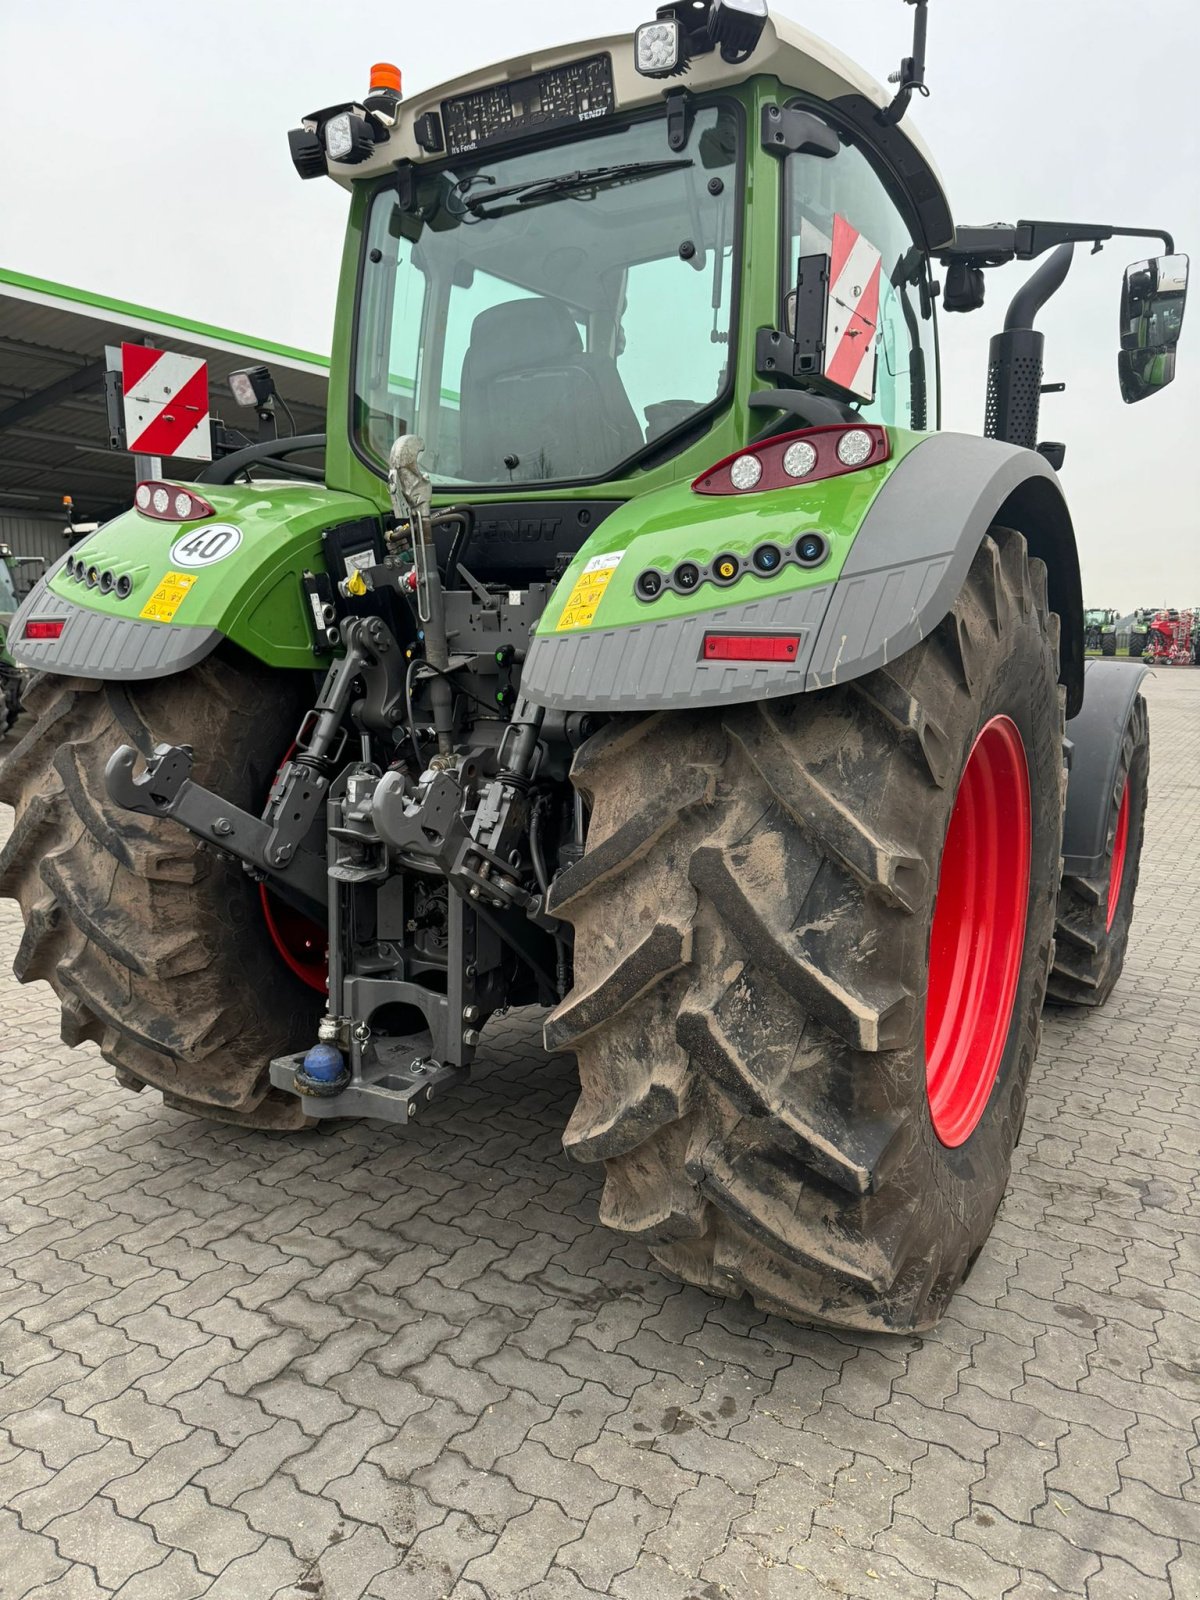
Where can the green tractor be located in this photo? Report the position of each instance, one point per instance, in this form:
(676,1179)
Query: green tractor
(1100,632)
(12,679)
(645,653)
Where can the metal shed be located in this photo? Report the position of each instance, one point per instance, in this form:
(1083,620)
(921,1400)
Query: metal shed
(54,431)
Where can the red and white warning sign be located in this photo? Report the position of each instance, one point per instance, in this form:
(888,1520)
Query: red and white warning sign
(856,270)
(166,403)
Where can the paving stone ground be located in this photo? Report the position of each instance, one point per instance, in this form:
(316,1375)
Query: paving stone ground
(412,1366)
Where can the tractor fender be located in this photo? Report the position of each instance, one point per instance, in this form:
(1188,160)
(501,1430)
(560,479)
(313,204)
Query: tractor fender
(172,609)
(916,545)
(906,566)
(1094,740)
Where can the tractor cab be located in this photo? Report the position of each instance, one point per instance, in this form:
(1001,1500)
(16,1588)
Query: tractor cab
(572,277)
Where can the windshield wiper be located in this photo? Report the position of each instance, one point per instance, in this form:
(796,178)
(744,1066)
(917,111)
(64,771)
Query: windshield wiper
(542,188)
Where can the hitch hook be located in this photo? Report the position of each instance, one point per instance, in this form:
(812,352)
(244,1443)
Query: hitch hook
(156,792)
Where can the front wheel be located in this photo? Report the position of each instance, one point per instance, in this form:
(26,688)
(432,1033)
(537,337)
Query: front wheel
(812,943)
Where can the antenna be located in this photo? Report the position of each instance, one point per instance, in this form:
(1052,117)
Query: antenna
(911,76)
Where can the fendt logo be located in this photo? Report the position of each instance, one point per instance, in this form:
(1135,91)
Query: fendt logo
(519,530)
(205,546)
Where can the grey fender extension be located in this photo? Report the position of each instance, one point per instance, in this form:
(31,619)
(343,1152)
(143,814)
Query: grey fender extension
(96,645)
(1095,737)
(902,576)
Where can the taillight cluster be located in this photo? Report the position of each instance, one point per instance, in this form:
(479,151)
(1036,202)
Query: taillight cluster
(793,459)
(167,502)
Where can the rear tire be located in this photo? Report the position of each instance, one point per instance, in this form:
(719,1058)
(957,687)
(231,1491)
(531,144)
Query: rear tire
(157,951)
(752,918)
(1108,644)
(1094,914)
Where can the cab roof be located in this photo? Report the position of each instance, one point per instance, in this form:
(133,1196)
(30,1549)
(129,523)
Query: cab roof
(801,61)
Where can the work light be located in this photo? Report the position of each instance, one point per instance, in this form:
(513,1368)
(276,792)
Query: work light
(660,49)
(348,138)
(736,26)
(252,387)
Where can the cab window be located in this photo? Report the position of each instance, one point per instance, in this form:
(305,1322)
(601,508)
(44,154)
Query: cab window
(817,192)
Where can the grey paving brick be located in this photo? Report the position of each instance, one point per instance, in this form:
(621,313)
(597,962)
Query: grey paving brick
(176,1578)
(214,1535)
(613,1539)
(30,1559)
(487,1497)
(640,1466)
(433,1562)
(54,1434)
(500,1429)
(573,1485)
(95,1536)
(338,1451)
(165,1473)
(76,1484)
(254,1461)
(399,1510)
(264,1572)
(523,1553)
(308,1523)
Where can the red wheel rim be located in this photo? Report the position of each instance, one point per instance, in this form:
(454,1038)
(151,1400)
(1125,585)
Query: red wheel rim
(1116,872)
(303,943)
(978,936)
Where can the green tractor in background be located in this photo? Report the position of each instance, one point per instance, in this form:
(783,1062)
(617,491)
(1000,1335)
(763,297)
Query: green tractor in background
(647,653)
(1100,632)
(12,679)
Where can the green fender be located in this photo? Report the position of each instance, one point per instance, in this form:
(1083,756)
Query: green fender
(175,612)
(901,540)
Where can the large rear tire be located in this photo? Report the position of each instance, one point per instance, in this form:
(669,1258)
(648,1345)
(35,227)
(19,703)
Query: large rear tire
(157,951)
(1094,914)
(753,919)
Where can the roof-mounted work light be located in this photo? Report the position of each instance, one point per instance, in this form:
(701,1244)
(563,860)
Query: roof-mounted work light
(736,26)
(684,29)
(348,137)
(661,48)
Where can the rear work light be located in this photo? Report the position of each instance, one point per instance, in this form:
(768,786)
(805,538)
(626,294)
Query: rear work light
(751,646)
(167,502)
(45,629)
(793,459)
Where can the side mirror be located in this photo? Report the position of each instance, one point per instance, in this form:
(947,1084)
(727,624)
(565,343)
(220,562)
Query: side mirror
(1152,307)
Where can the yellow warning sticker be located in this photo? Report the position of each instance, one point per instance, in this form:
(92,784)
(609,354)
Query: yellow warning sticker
(167,598)
(584,599)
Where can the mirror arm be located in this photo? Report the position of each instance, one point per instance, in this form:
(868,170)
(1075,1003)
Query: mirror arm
(997,245)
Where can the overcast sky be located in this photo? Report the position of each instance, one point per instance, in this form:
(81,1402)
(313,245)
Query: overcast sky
(147,158)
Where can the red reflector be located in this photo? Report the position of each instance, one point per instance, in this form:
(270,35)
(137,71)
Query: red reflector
(45,630)
(751,646)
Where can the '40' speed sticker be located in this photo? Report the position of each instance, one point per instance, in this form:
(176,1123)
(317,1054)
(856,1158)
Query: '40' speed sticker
(203,547)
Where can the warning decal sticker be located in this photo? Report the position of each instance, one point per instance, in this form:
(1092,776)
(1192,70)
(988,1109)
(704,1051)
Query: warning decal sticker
(855,276)
(167,598)
(585,597)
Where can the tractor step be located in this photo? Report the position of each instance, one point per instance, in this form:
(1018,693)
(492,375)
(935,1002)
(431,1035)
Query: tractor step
(393,1084)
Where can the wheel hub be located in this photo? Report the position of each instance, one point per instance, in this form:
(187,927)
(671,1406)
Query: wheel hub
(978,935)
